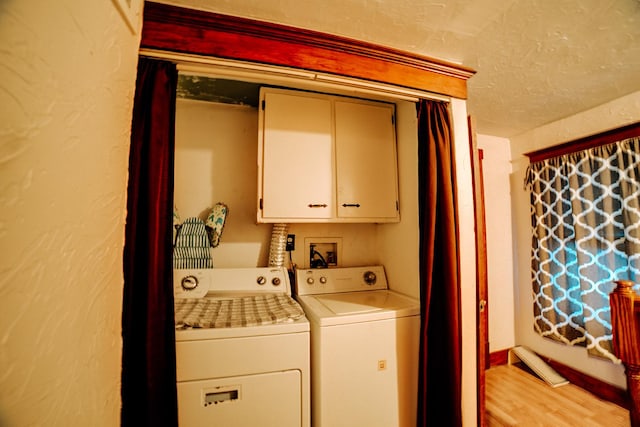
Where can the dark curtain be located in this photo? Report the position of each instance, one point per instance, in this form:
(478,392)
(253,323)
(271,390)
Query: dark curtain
(149,396)
(439,387)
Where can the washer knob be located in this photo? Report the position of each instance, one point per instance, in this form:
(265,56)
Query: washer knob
(323,280)
(370,278)
(275,281)
(261,280)
(310,280)
(189,283)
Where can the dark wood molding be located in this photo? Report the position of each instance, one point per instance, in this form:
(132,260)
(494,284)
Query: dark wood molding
(482,312)
(190,31)
(585,143)
(593,385)
(500,357)
(598,388)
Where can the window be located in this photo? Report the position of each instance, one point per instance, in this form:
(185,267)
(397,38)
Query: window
(585,218)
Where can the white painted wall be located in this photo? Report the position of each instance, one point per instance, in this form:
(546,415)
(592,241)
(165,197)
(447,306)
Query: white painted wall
(398,245)
(614,114)
(66,93)
(216,161)
(496,168)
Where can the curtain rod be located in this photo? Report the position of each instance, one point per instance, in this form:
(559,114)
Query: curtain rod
(585,143)
(282,75)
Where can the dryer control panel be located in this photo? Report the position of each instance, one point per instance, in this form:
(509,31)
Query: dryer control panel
(198,283)
(334,280)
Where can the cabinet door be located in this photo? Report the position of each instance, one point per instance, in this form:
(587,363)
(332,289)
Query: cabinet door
(366,161)
(297,175)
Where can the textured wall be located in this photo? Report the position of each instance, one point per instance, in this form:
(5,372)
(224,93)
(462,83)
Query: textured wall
(66,88)
(536,60)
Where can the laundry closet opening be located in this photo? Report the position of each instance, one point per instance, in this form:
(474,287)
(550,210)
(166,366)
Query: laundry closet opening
(216,158)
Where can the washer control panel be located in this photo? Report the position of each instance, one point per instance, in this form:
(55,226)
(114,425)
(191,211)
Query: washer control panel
(333,280)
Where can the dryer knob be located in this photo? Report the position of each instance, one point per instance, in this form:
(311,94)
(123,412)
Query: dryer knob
(310,280)
(189,283)
(323,280)
(261,280)
(370,278)
(275,281)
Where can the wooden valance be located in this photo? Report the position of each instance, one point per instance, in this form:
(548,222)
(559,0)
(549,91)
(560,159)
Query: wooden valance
(585,143)
(190,31)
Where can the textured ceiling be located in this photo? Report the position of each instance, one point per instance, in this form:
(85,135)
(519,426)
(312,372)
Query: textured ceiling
(536,60)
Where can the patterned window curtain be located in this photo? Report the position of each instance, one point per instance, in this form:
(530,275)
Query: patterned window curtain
(585,215)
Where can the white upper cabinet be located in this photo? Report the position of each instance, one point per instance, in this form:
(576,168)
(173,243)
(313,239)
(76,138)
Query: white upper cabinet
(296,157)
(366,161)
(326,158)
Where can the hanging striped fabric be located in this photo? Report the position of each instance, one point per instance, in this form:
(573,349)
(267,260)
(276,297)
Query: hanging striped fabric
(192,247)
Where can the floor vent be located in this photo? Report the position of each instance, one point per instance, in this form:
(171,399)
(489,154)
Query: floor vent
(537,365)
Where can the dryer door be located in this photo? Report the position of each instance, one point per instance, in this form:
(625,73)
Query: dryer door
(267,400)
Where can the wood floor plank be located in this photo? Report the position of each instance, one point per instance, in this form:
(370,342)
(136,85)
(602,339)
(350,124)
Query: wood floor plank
(517,398)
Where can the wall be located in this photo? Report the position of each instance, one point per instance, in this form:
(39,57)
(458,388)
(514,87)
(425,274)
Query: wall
(496,168)
(216,154)
(216,161)
(67,84)
(398,245)
(216,158)
(611,115)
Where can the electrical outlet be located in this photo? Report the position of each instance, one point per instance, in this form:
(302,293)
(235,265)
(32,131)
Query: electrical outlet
(291,242)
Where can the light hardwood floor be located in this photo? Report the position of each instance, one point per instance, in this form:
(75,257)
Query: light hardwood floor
(517,398)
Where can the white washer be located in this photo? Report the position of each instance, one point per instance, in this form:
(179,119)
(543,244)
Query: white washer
(364,348)
(246,361)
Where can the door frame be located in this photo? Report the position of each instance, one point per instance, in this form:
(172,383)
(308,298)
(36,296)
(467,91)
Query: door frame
(482,298)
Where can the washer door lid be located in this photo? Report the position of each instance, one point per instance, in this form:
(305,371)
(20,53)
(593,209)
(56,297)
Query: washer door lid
(361,302)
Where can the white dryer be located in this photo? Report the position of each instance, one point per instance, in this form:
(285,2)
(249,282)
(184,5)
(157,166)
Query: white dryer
(242,349)
(364,348)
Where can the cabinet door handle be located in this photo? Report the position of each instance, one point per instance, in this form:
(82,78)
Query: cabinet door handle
(351,205)
(317,205)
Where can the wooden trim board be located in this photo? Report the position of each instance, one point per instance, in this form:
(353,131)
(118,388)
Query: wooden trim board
(177,29)
(585,143)
(499,357)
(593,385)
